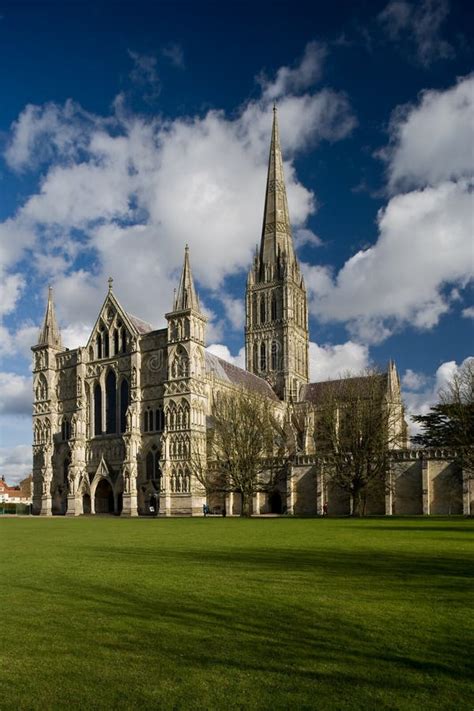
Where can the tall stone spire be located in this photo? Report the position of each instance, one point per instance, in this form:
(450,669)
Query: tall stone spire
(49,334)
(276,330)
(277,239)
(186,296)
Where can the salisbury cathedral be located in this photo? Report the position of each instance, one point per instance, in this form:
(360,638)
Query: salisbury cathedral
(115,422)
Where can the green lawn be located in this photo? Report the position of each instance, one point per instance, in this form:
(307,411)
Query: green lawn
(106,613)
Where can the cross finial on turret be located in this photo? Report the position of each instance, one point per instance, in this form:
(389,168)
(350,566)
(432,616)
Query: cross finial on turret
(111,281)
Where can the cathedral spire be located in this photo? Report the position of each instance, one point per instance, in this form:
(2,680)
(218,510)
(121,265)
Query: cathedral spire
(49,334)
(277,240)
(186,297)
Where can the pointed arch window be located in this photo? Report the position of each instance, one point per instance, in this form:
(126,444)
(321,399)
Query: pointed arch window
(116,341)
(99,345)
(274,355)
(65,429)
(159,419)
(263,356)
(146,420)
(111,403)
(274,307)
(152,464)
(124,402)
(263,309)
(97,409)
(105,344)
(124,340)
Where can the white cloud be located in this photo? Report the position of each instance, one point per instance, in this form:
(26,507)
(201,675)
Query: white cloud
(304,236)
(235,311)
(16,463)
(129,192)
(328,362)
(425,242)
(468,312)
(412,380)
(423,254)
(222,351)
(420,23)
(16,394)
(431,142)
(290,80)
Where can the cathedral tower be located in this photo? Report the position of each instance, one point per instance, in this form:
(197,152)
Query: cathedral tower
(184,396)
(276,332)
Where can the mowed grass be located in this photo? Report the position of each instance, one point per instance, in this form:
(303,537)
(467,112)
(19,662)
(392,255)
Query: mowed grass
(106,613)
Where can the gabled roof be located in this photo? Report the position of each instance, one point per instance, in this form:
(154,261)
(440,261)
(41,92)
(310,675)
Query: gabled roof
(238,376)
(317,392)
(140,325)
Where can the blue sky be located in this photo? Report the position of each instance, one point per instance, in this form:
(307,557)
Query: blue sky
(128,130)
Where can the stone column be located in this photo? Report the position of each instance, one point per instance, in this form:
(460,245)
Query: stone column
(257,503)
(389,493)
(46,505)
(320,491)
(290,492)
(71,505)
(466,493)
(229,503)
(425,485)
(130,506)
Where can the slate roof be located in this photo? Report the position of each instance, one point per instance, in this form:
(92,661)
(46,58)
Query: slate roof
(316,392)
(238,376)
(140,325)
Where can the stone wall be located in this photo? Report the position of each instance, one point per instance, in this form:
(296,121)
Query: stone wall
(420,482)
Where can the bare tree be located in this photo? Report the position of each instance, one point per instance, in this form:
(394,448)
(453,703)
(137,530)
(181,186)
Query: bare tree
(244,443)
(356,427)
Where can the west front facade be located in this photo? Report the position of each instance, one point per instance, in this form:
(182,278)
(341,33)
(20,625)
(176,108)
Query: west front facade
(116,422)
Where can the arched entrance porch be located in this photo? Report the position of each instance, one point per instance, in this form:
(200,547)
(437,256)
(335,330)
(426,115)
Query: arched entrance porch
(104,498)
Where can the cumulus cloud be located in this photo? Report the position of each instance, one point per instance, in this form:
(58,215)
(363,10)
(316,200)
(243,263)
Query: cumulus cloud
(124,193)
(430,141)
(425,236)
(16,463)
(420,24)
(331,361)
(16,394)
(291,80)
(222,351)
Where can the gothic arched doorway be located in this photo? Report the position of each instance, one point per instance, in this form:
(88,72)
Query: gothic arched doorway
(104,497)
(275,502)
(86,504)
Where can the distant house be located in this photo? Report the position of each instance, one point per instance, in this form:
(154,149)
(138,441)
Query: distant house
(19,494)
